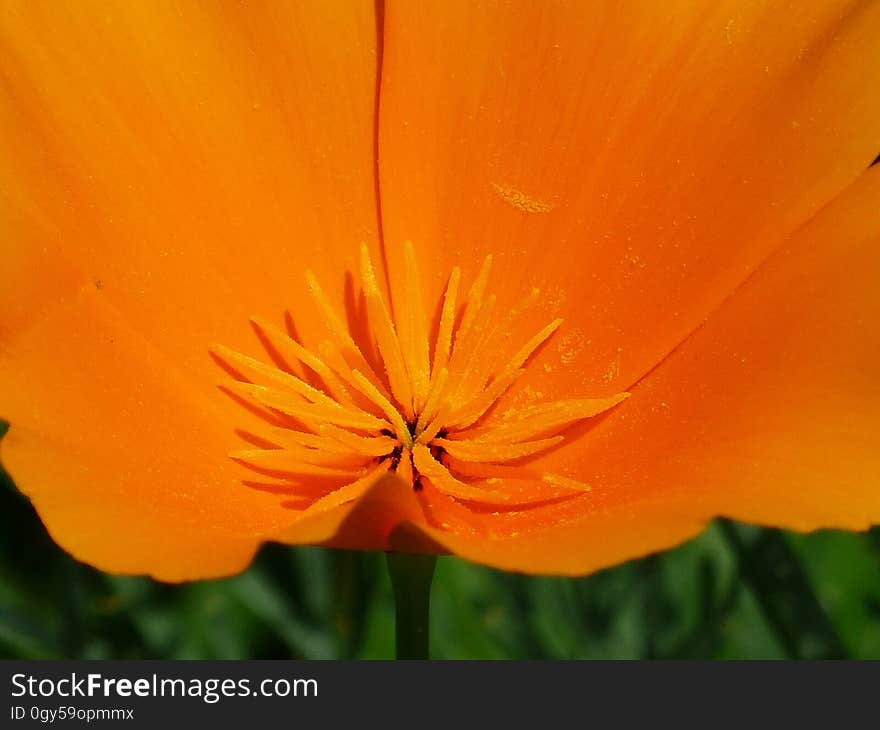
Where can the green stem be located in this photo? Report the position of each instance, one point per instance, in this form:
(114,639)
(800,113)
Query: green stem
(411,577)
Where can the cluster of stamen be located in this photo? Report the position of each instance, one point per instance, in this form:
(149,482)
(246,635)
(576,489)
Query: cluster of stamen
(337,424)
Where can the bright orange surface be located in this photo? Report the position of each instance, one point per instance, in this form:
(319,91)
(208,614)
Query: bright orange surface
(683,181)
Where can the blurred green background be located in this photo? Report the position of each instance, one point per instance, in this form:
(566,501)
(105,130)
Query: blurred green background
(735,592)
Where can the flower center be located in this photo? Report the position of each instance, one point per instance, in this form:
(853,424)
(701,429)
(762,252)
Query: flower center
(335,423)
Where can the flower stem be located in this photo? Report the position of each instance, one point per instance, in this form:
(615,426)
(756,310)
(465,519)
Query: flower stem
(411,577)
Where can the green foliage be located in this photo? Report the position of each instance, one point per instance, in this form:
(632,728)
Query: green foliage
(735,592)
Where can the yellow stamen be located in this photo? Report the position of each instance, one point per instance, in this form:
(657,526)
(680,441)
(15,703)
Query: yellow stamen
(405,468)
(433,403)
(475,298)
(335,414)
(443,346)
(284,437)
(481,492)
(386,337)
(433,428)
(281,461)
(427,416)
(565,483)
(291,456)
(414,329)
(485,366)
(474,410)
(367,388)
(366,445)
(288,381)
(440,477)
(508,375)
(465,351)
(487,451)
(291,349)
(486,470)
(533,344)
(349,492)
(528,423)
(349,350)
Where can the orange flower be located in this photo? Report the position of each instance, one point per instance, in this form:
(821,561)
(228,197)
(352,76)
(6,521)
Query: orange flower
(665,201)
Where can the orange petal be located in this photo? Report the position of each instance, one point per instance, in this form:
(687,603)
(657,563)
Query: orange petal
(191,161)
(605,537)
(126,465)
(167,172)
(369,523)
(635,161)
(769,413)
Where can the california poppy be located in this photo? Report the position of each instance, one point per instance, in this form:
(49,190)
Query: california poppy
(545,285)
